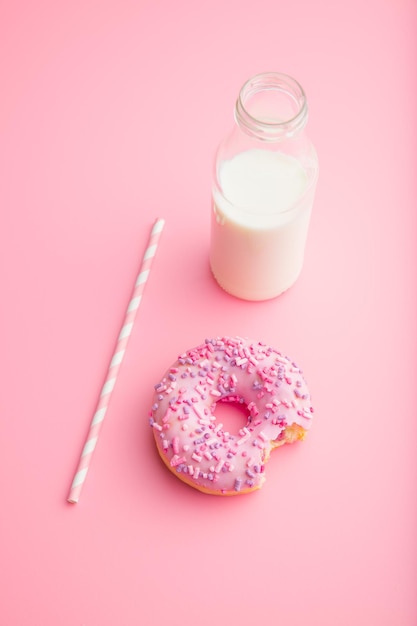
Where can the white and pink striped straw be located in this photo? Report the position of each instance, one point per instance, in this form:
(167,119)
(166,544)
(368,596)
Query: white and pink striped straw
(115,363)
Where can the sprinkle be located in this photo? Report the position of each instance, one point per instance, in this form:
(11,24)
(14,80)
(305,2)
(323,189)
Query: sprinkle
(176,460)
(246,436)
(238,484)
(219,466)
(157,426)
(200,390)
(196,457)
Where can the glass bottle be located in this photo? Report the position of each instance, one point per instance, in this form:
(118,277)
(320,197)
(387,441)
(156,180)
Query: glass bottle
(264,182)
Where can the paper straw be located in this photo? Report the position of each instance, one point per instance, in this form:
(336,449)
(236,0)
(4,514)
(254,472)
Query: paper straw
(115,363)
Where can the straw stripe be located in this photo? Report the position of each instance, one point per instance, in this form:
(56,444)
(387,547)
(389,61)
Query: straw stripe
(115,363)
(143,276)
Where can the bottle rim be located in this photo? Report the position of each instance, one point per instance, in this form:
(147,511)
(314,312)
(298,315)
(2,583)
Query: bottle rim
(266,129)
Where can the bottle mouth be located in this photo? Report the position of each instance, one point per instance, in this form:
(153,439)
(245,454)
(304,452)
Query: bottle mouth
(271,106)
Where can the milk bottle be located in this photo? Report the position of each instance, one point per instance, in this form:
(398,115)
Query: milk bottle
(265,177)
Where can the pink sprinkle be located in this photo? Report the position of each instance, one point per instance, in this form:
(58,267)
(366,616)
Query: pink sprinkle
(186,447)
(262,436)
(196,457)
(176,460)
(215,392)
(190,470)
(207,455)
(200,390)
(219,466)
(196,473)
(167,415)
(157,426)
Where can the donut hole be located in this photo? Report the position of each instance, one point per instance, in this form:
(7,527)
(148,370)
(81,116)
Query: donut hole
(232,414)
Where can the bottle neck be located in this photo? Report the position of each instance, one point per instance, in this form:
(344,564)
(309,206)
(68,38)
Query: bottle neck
(271,107)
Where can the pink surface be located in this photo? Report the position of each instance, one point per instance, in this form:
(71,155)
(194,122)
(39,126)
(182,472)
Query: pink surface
(110,113)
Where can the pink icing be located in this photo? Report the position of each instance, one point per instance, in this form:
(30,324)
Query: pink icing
(190,440)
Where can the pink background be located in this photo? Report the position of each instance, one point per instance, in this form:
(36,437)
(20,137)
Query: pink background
(110,113)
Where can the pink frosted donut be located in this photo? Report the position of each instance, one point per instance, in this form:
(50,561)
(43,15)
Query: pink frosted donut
(190,441)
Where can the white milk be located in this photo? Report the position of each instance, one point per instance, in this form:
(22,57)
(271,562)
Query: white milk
(259,223)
